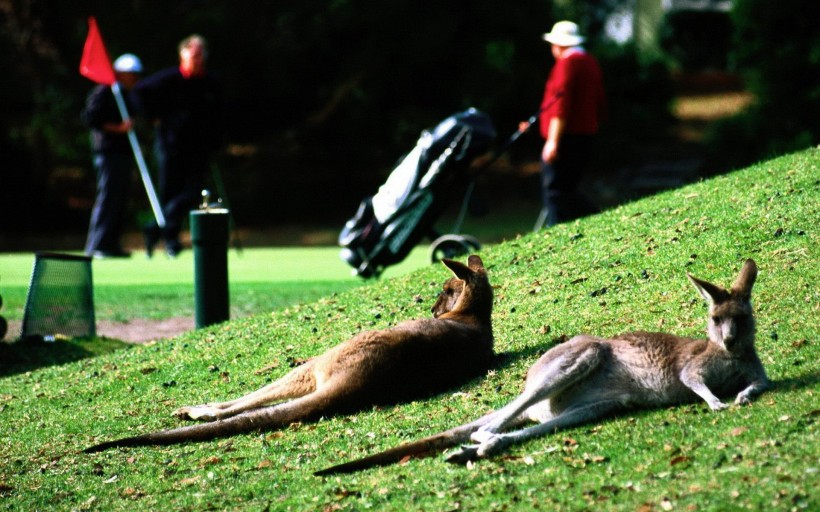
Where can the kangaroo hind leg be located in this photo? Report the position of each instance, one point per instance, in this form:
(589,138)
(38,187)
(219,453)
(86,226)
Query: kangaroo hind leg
(297,383)
(495,443)
(558,369)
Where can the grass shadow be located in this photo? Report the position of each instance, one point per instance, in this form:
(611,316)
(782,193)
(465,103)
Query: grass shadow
(806,380)
(28,354)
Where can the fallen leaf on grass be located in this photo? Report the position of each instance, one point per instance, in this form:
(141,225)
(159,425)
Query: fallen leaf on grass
(344,493)
(208,461)
(266,369)
(131,493)
(189,481)
(679,460)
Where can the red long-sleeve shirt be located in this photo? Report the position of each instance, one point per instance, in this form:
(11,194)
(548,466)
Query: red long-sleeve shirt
(575,93)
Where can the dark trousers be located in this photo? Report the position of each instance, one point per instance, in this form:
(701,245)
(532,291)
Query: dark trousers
(108,215)
(562,180)
(181,180)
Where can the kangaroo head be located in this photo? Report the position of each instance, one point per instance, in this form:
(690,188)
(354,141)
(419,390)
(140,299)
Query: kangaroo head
(731,320)
(469,291)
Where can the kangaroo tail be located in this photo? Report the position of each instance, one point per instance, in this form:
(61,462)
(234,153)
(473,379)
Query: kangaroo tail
(420,448)
(304,408)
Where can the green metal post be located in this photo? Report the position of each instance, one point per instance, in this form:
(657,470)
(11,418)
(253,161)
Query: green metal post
(209,236)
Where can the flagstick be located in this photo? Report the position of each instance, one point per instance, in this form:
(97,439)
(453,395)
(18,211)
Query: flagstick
(135,146)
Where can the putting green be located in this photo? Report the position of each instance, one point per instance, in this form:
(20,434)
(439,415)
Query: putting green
(251,265)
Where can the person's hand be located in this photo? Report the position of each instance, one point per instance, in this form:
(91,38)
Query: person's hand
(126,125)
(121,128)
(549,152)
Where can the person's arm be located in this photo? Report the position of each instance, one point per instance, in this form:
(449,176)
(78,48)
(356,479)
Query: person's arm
(556,128)
(100,109)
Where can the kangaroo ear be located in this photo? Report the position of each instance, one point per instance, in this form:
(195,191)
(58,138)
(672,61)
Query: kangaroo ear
(712,293)
(475,263)
(746,279)
(460,270)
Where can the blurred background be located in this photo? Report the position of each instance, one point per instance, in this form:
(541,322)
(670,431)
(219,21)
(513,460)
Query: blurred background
(325,96)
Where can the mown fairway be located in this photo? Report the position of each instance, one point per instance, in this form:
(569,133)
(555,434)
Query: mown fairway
(261,280)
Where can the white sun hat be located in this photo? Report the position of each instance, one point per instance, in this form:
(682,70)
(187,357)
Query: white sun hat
(128,63)
(564,33)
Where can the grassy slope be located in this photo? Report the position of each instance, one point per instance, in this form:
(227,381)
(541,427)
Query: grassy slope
(623,270)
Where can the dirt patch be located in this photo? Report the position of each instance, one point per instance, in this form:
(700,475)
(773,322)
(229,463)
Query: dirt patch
(140,330)
(136,330)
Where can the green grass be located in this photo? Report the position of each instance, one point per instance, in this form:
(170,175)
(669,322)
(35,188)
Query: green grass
(622,270)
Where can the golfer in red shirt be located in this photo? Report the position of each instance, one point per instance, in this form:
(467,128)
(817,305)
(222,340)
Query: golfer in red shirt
(572,110)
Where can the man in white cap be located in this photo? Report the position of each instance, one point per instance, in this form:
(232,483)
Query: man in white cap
(572,109)
(113,160)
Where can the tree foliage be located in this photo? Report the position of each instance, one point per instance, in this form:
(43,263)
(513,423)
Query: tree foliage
(777,48)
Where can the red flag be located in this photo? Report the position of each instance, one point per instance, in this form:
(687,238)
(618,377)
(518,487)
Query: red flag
(95,64)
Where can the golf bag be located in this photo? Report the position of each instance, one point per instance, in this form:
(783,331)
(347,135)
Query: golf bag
(388,225)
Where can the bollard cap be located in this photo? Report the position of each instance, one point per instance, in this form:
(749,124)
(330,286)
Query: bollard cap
(211,211)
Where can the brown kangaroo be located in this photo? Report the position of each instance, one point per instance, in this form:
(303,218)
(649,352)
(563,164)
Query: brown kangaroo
(588,378)
(411,360)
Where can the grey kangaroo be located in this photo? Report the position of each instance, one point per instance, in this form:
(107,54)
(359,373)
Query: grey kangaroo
(411,360)
(588,378)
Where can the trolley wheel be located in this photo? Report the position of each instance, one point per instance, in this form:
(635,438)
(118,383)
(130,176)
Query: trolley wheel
(451,246)
(368,270)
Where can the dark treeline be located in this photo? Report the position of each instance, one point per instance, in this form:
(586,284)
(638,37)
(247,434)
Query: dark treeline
(324,96)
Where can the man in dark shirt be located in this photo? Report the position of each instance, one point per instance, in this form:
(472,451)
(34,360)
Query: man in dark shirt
(113,159)
(186,104)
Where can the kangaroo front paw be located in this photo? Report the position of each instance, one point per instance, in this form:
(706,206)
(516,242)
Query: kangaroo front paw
(743,399)
(199,412)
(716,406)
